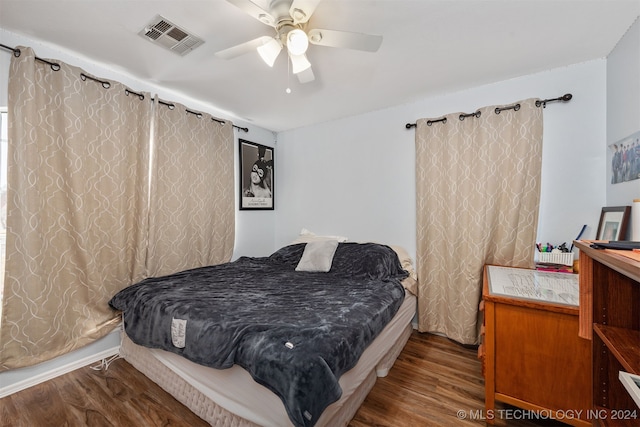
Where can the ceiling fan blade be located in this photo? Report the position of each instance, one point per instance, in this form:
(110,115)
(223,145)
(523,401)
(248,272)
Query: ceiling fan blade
(243,48)
(345,39)
(252,9)
(306,76)
(301,10)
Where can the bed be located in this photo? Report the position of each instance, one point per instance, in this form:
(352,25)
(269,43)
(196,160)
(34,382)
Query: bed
(297,338)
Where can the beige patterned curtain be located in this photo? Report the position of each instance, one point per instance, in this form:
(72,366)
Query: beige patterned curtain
(77,200)
(478,193)
(192,214)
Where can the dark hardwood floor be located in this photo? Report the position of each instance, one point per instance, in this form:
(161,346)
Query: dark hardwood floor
(434,382)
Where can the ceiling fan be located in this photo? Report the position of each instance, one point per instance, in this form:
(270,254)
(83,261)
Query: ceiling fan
(290,19)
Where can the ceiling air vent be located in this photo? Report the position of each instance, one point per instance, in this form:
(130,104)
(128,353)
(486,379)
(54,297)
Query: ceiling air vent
(162,32)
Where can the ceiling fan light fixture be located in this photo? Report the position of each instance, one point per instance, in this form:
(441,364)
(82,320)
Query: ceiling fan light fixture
(299,63)
(297,42)
(270,51)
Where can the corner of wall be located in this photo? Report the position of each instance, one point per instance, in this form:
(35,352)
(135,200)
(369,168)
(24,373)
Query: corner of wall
(623,109)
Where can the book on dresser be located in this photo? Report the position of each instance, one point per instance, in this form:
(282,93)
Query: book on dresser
(632,384)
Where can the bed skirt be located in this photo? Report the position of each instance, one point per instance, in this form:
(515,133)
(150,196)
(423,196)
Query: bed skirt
(152,363)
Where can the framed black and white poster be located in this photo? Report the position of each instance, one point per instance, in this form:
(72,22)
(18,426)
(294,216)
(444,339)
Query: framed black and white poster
(256,176)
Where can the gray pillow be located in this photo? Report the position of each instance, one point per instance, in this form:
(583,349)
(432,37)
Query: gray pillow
(318,256)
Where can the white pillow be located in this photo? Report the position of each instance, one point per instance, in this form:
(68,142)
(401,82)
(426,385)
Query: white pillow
(318,256)
(307,236)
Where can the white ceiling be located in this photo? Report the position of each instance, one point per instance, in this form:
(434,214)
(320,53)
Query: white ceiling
(429,48)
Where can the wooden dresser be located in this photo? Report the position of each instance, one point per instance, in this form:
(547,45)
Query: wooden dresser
(532,356)
(610,316)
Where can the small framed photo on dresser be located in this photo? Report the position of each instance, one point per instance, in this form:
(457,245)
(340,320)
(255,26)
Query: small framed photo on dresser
(256,176)
(613,223)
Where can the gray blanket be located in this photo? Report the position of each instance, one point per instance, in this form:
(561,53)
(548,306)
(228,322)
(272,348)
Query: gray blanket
(296,333)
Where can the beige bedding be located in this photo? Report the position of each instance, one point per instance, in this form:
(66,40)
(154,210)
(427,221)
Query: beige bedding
(231,397)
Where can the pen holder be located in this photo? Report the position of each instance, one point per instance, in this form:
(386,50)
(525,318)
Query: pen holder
(565,258)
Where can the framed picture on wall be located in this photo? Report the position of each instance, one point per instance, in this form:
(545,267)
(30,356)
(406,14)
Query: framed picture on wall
(613,223)
(256,176)
(622,153)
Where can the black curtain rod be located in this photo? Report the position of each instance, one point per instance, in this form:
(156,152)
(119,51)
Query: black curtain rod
(17,52)
(106,84)
(564,98)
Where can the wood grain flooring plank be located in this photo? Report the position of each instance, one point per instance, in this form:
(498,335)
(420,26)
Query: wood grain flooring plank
(43,404)
(9,414)
(431,381)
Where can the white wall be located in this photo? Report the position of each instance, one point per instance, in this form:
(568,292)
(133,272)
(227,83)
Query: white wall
(355,176)
(623,109)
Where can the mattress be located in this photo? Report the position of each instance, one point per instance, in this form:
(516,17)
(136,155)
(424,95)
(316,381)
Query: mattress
(230,397)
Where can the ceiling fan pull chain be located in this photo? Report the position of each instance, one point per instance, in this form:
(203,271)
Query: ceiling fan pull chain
(288,89)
